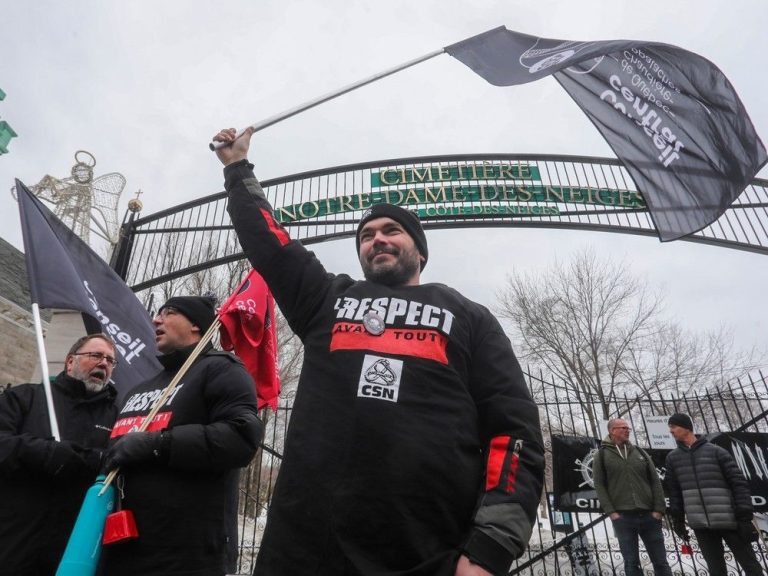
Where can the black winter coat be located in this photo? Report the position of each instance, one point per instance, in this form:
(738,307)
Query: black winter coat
(38,509)
(704,481)
(181,504)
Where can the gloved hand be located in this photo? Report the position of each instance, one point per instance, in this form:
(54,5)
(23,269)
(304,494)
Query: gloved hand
(92,457)
(51,457)
(747,531)
(136,448)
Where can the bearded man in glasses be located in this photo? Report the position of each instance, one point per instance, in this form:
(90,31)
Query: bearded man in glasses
(42,480)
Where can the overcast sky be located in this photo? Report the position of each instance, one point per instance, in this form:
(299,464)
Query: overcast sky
(143,85)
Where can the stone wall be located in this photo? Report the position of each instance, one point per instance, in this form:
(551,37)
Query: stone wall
(18,348)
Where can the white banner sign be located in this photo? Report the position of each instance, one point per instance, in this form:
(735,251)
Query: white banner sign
(658,432)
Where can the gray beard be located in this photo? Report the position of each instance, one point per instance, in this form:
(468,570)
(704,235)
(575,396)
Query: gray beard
(94,387)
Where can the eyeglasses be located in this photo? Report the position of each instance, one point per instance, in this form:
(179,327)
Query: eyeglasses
(98,357)
(167,311)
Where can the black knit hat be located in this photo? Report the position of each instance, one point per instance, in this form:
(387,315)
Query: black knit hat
(682,420)
(407,219)
(198,309)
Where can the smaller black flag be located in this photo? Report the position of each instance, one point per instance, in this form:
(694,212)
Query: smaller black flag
(65,273)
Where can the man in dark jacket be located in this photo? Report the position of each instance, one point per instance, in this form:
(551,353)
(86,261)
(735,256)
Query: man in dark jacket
(706,486)
(179,474)
(630,491)
(414,446)
(43,481)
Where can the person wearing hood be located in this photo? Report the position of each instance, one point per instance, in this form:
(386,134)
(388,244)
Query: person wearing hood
(43,481)
(706,487)
(177,477)
(630,492)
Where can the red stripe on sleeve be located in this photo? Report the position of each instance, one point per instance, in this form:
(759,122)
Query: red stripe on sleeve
(496,456)
(277,230)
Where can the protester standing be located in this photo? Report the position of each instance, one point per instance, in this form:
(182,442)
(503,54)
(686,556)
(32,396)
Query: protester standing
(630,491)
(43,481)
(706,487)
(414,445)
(178,476)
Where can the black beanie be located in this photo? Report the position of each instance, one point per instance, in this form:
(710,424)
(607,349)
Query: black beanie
(682,420)
(407,219)
(198,309)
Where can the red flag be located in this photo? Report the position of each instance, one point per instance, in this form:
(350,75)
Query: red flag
(248,327)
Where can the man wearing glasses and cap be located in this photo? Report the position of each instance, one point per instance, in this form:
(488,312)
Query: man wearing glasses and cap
(630,491)
(179,475)
(414,446)
(43,481)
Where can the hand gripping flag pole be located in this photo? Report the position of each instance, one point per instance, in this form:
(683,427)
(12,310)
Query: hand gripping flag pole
(169,389)
(326,97)
(251,282)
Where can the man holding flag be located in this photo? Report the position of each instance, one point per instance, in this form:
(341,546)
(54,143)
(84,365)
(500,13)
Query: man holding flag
(43,481)
(414,446)
(179,473)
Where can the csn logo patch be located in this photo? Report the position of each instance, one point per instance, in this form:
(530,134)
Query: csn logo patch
(380,378)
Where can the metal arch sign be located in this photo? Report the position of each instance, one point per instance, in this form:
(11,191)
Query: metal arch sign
(464,190)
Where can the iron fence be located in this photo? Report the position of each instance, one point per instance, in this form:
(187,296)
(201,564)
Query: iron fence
(591,549)
(467,191)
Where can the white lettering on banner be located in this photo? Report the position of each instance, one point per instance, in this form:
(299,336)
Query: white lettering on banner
(649,120)
(145,400)
(390,309)
(588,503)
(134,345)
(756,455)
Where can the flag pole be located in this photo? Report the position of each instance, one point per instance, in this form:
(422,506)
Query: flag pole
(160,402)
(44,369)
(330,96)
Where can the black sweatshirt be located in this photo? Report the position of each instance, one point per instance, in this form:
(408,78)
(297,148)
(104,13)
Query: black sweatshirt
(406,448)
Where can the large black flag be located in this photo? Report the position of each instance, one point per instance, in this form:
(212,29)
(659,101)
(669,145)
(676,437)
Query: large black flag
(65,273)
(671,116)
(574,486)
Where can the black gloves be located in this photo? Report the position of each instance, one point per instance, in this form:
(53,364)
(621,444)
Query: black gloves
(747,531)
(138,447)
(62,460)
(93,458)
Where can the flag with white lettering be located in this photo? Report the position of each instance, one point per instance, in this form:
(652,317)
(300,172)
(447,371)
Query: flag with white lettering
(65,273)
(750,450)
(248,326)
(671,116)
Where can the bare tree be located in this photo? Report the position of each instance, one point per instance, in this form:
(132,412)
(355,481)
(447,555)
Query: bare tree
(600,330)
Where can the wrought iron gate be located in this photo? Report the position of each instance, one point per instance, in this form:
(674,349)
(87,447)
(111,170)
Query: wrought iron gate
(591,548)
